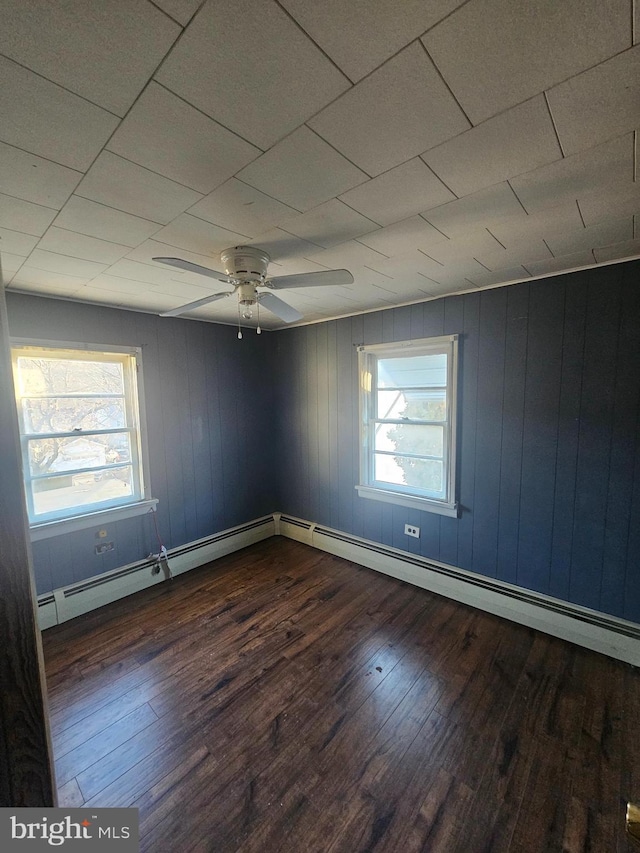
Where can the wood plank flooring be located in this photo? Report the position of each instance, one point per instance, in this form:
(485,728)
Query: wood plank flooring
(283,699)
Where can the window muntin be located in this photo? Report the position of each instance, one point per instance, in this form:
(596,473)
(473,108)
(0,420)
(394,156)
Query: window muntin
(407,407)
(80,429)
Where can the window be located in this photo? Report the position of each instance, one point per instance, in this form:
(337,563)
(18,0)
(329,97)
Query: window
(408,423)
(80,429)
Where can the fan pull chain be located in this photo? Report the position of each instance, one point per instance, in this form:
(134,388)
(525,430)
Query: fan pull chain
(239,326)
(258,329)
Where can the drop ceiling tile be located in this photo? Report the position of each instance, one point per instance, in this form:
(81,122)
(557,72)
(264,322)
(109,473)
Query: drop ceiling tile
(64,265)
(471,245)
(241,208)
(566,262)
(237,72)
(348,255)
(9,264)
(61,283)
(552,220)
(114,284)
(599,168)
(293,266)
(80,246)
(598,104)
(188,232)
(180,10)
(593,237)
(329,224)
(410,263)
(474,212)
(381,28)
(399,111)
(33,179)
(516,141)
(285,249)
(44,119)
(399,193)
(121,45)
(23,216)
(628,249)
(16,242)
(501,276)
(412,233)
(610,205)
(133,189)
(189,292)
(145,252)
(513,49)
(166,135)
(98,220)
(302,171)
(518,253)
(147,273)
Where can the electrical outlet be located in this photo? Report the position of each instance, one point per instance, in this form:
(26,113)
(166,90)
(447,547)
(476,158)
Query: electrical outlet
(104,547)
(410,530)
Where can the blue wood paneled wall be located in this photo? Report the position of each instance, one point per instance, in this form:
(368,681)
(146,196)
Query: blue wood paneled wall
(209,413)
(549,448)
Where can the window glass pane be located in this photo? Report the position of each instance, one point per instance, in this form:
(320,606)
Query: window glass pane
(417,371)
(79,490)
(69,376)
(423,474)
(424,405)
(410,438)
(50,455)
(64,414)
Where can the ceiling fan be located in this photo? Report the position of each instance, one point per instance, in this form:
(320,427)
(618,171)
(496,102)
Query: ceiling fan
(245,267)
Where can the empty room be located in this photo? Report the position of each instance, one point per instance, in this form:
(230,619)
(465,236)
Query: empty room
(320,422)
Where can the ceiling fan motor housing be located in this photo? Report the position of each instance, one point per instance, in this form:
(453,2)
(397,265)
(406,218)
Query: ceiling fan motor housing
(245,263)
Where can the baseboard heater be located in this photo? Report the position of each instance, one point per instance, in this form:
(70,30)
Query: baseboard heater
(73,600)
(609,635)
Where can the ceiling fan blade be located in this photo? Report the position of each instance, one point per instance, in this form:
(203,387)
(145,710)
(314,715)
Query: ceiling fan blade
(182,309)
(274,304)
(189,267)
(310,279)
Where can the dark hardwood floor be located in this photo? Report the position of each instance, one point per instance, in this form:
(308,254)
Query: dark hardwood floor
(283,699)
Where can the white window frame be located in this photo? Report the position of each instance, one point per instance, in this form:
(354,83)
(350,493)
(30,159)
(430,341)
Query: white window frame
(78,518)
(368,487)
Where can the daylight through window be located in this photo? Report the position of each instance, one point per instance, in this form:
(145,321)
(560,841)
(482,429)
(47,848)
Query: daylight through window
(80,430)
(408,414)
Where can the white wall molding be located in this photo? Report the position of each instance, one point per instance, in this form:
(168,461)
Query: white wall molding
(89,594)
(591,629)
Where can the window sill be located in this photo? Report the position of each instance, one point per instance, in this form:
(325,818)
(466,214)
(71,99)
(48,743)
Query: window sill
(411,501)
(46,529)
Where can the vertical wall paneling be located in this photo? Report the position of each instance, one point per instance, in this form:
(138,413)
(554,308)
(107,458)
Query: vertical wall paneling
(199,428)
(575,309)
(468,353)
(353,459)
(540,434)
(594,442)
(332,423)
(313,364)
(347,388)
(453,323)
(373,510)
(493,306)
(212,381)
(626,405)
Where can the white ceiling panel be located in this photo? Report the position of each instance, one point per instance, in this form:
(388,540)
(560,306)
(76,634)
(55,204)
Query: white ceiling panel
(145,252)
(487,279)
(598,104)
(241,208)
(98,220)
(196,235)
(54,282)
(329,224)
(476,211)
(551,220)
(607,165)
(237,58)
(596,207)
(348,255)
(513,49)
(145,273)
(49,121)
(64,264)
(593,237)
(471,245)
(81,246)
(180,10)
(31,178)
(516,141)
(403,236)
(125,186)
(525,251)
(302,171)
(166,135)
(410,263)
(566,262)
(383,29)
(399,193)
(16,242)
(284,248)
(19,215)
(630,248)
(9,265)
(399,111)
(121,43)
